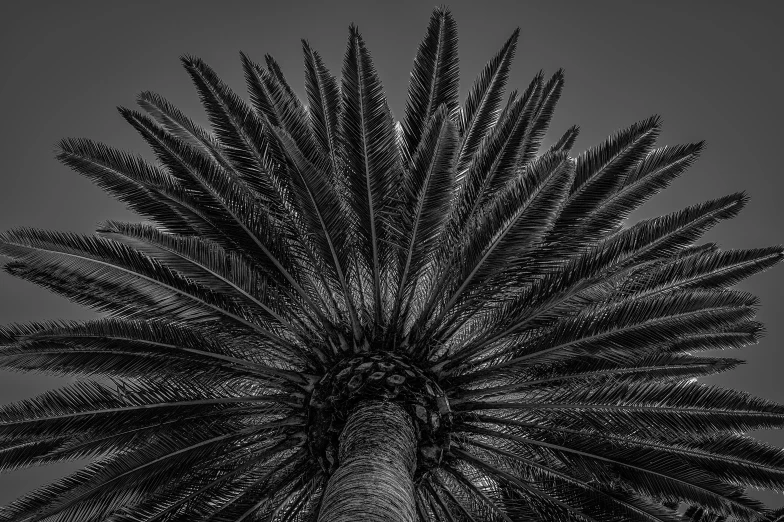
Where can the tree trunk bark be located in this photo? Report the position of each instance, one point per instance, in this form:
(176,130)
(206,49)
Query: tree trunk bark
(377,459)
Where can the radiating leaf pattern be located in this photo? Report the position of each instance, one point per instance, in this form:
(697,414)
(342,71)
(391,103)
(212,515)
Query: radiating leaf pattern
(302,255)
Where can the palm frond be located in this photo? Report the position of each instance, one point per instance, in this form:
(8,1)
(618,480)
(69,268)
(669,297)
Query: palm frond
(655,408)
(434,79)
(427,193)
(480,109)
(324,106)
(239,132)
(147,190)
(602,169)
(327,222)
(49,346)
(649,176)
(370,155)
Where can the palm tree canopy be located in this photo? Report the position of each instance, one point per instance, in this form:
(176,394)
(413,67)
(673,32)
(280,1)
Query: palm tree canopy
(300,258)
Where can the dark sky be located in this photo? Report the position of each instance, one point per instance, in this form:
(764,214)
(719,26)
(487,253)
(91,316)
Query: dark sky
(711,69)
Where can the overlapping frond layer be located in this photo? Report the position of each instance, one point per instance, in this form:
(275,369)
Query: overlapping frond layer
(299,253)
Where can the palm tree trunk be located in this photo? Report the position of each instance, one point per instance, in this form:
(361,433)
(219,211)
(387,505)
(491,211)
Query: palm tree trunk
(377,456)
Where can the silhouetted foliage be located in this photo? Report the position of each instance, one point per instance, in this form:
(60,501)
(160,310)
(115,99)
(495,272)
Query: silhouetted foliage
(305,263)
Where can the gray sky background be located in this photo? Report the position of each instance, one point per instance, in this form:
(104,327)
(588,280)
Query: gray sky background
(711,69)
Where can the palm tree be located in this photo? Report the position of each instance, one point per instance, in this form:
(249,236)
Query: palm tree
(330,316)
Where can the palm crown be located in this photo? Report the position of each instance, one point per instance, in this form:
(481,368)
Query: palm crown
(331,316)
